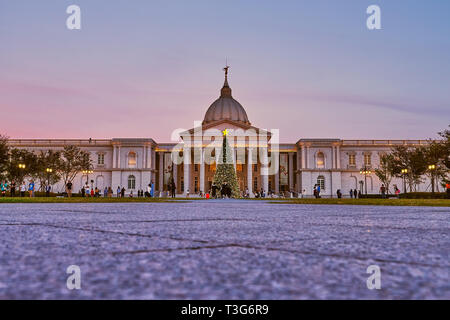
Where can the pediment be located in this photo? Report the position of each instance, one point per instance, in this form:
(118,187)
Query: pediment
(235,128)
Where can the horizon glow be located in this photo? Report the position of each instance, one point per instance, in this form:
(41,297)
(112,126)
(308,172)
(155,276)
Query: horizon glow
(142,70)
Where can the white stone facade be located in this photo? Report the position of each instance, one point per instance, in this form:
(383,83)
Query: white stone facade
(134,163)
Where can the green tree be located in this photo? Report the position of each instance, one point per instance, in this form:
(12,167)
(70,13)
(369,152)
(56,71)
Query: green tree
(386,170)
(4,155)
(73,161)
(49,159)
(413,159)
(21,163)
(225,172)
(446,148)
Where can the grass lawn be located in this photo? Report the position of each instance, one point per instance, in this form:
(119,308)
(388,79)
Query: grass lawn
(87,200)
(364,202)
(371,202)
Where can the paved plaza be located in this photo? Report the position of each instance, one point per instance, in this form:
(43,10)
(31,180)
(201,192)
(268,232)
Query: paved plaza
(223,249)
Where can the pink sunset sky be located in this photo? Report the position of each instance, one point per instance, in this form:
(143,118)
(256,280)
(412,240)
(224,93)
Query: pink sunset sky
(311,69)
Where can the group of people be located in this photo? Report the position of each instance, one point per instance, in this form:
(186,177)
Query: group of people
(12,187)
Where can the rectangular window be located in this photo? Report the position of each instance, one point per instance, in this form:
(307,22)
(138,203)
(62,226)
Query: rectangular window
(195,184)
(196,167)
(367,160)
(101,159)
(182,184)
(255,184)
(351,160)
(255,168)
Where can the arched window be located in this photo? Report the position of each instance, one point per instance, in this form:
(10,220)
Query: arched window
(321,182)
(320,160)
(131,182)
(132,159)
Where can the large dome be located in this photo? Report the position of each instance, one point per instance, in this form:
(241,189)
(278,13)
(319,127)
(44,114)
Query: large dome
(226,108)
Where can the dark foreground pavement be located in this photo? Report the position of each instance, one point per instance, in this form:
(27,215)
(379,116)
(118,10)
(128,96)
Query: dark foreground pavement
(223,250)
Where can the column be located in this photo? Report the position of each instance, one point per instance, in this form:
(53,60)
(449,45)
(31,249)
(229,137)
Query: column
(144,157)
(114,157)
(276,164)
(175,175)
(234,158)
(202,170)
(338,155)
(307,157)
(153,161)
(161,172)
(265,169)
(303,157)
(291,172)
(186,164)
(299,173)
(149,157)
(118,158)
(250,172)
(333,157)
(152,165)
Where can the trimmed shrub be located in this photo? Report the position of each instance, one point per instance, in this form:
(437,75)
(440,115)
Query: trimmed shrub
(423,195)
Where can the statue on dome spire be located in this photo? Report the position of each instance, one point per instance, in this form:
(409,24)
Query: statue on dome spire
(226,90)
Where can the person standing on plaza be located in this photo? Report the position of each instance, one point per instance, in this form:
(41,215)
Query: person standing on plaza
(31,188)
(48,188)
(23,189)
(383,191)
(87,190)
(13,189)
(355,193)
(173,188)
(152,192)
(3,187)
(351,193)
(69,189)
(122,193)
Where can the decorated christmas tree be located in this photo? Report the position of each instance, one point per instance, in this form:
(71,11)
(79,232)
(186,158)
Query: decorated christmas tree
(225,177)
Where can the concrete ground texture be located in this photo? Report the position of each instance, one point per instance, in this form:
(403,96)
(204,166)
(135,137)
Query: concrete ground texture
(223,249)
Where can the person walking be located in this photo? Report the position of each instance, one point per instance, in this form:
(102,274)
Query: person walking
(105,192)
(118,191)
(355,194)
(87,190)
(69,189)
(122,193)
(351,193)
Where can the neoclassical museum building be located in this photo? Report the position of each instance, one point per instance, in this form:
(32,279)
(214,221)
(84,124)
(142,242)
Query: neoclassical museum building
(261,161)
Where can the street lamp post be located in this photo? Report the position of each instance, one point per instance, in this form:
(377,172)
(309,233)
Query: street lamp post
(21,167)
(47,191)
(365,171)
(404,173)
(432,167)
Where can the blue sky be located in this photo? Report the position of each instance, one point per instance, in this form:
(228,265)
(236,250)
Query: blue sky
(143,68)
